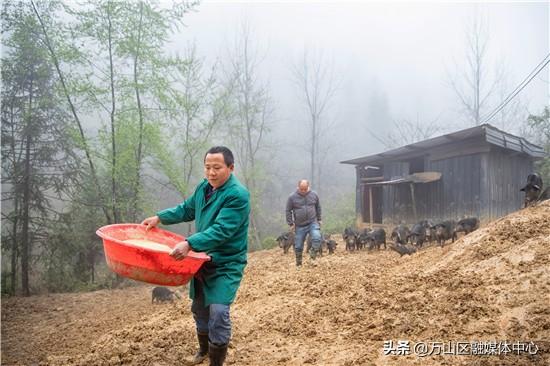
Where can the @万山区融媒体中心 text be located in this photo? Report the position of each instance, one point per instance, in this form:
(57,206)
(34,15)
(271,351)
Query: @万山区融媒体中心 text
(458,348)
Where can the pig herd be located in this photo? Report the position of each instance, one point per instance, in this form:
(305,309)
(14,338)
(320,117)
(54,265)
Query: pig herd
(286,241)
(405,240)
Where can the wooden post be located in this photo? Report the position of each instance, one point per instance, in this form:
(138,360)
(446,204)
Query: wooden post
(413,201)
(370,207)
(359,204)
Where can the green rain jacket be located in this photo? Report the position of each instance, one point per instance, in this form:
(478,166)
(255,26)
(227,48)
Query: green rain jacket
(221,226)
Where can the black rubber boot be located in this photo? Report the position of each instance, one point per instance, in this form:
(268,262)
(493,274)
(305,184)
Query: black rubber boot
(313,253)
(298,258)
(217,354)
(203,349)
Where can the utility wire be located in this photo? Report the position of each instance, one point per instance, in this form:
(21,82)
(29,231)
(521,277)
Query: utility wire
(520,87)
(535,69)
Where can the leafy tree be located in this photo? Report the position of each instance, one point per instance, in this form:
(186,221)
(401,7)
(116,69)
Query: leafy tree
(114,78)
(126,85)
(35,156)
(540,128)
(107,63)
(53,38)
(251,120)
(196,104)
(129,82)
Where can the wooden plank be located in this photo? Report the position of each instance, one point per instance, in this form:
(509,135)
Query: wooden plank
(372,179)
(484,186)
(424,177)
(421,177)
(370,207)
(413,202)
(358,192)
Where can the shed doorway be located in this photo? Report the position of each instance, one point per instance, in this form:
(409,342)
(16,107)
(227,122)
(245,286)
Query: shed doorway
(374,194)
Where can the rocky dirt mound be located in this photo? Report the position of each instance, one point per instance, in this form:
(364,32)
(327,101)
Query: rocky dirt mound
(490,286)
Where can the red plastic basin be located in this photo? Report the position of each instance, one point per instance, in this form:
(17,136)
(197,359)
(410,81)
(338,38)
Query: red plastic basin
(144,264)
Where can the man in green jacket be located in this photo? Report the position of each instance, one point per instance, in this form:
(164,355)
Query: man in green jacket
(220,206)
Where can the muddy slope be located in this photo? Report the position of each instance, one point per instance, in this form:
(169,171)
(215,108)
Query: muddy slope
(492,285)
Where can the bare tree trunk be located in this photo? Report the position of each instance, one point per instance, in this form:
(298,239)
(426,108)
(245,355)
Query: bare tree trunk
(477,90)
(316,81)
(249,142)
(250,120)
(253,221)
(312,153)
(140,112)
(114,200)
(91,258)
(255,230)
(75,115)
(25,244)
(14,248)
(474,88)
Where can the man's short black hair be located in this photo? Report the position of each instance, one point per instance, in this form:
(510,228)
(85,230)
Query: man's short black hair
(227,154)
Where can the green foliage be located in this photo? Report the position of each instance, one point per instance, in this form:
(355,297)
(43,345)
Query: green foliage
(338,213)
(36,157)
(196,104)
(112,113)
(73,250)
(269,242)
(131,81)
(6,283)
(106,61)
(540,126)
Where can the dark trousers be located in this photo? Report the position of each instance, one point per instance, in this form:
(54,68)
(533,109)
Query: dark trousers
(213,319)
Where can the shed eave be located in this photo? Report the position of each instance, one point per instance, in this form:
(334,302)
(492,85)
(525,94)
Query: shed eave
(491,135)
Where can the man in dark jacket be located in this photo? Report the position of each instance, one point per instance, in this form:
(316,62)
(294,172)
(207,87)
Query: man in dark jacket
(303,215)
(220,206)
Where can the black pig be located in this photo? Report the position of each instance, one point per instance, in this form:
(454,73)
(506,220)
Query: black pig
(445,231)
(418,235)
(400,234)
(376,238)
(285,241)
(467,225)
(162,294)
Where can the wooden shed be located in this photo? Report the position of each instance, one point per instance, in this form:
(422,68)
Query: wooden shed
(473,172)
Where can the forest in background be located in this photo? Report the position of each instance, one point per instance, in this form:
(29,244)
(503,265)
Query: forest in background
(101,124)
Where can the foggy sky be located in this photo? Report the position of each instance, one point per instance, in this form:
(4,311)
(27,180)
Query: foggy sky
(393,61)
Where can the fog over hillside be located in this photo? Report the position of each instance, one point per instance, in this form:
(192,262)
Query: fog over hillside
(393,62)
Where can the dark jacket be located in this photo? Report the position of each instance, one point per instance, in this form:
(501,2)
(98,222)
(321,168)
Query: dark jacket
(303,210)
(222,230)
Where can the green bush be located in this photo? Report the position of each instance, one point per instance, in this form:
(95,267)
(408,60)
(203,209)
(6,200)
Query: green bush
(6,283)
(338,213)
(269,242)
(540,127)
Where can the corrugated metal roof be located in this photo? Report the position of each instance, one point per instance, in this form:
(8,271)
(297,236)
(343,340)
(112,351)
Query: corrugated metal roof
(491,134)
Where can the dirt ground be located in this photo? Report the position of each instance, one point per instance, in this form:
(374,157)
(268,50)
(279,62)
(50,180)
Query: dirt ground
(490,286)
